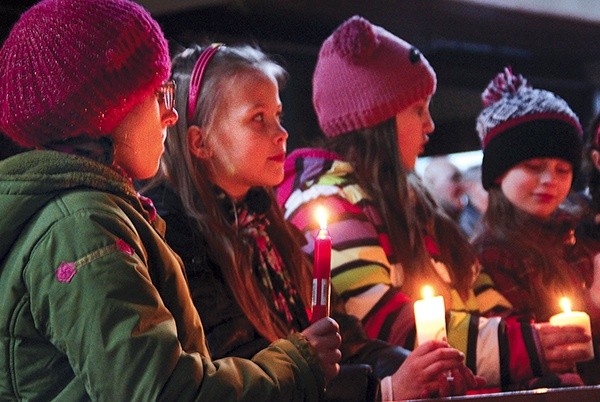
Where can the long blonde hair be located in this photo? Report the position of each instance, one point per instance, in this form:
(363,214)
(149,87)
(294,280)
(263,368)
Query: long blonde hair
(189,177)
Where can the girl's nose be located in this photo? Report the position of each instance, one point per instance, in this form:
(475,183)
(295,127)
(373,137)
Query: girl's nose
(282,135)
(428,124)
(547,176)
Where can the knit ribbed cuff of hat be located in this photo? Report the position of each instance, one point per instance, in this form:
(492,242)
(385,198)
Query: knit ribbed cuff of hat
(533,139)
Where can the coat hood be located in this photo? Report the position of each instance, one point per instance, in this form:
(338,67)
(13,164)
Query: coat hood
(31,179)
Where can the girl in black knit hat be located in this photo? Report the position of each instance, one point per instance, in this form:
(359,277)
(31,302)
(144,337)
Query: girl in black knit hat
(531,142)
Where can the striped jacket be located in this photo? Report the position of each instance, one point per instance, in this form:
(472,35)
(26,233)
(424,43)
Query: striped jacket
(504,351)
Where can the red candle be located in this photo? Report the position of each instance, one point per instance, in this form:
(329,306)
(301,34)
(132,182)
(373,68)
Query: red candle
(321,269)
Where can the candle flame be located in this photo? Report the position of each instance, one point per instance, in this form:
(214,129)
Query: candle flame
(427,292)
(321,215)
(565,304)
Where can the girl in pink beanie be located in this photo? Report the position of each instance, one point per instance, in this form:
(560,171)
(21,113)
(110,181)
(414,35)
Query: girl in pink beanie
(371,94)
(95,304)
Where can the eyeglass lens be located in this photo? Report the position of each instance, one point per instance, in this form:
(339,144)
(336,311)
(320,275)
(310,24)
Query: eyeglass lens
(166,94)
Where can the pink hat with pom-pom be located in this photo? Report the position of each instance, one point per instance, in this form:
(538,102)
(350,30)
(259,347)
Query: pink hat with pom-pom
(519,123)
(366,75)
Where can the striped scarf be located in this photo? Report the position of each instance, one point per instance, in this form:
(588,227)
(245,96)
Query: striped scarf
(249,218)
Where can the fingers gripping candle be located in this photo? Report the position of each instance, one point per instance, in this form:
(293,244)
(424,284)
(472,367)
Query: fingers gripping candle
(577,318)
(321,290)
(430,317)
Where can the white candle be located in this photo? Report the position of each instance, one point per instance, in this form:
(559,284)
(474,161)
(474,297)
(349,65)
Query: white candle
(430,317)
(578,318)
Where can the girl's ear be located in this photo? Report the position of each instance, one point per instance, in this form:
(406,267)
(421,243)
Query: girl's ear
(595,158)
(197,143)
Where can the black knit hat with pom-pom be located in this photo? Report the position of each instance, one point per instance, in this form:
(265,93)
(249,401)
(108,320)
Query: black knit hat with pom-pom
(365,75)
(519,123)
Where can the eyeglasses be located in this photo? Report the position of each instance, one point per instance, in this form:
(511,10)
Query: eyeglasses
(166,94)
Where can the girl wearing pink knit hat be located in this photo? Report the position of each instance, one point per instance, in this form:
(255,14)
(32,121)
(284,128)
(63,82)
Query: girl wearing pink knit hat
(371,94)
(95,305)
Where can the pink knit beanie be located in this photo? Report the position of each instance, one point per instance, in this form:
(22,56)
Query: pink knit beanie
(77,67)
(365,75)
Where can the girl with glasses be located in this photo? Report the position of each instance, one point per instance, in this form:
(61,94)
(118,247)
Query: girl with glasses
(95,305)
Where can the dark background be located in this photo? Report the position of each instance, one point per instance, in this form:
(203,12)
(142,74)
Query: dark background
(466,43)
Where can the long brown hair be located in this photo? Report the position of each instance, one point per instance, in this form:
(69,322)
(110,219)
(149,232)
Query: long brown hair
(189,177)
(538,244)
(407,209)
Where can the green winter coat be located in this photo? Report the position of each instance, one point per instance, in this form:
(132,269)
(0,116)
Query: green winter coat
(95,304)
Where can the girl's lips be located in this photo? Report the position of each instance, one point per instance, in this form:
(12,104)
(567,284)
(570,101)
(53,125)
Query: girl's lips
(544,197)
(278,158)
(425,141)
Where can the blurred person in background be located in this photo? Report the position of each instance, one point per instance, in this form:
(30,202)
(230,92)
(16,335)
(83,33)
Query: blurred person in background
(443,179)
(477,200)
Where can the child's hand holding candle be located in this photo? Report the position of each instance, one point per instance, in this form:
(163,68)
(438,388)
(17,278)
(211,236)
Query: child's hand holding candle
(430,317)
(576,318)
(321,269)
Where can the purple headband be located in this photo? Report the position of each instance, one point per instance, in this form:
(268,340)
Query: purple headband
(197,75)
